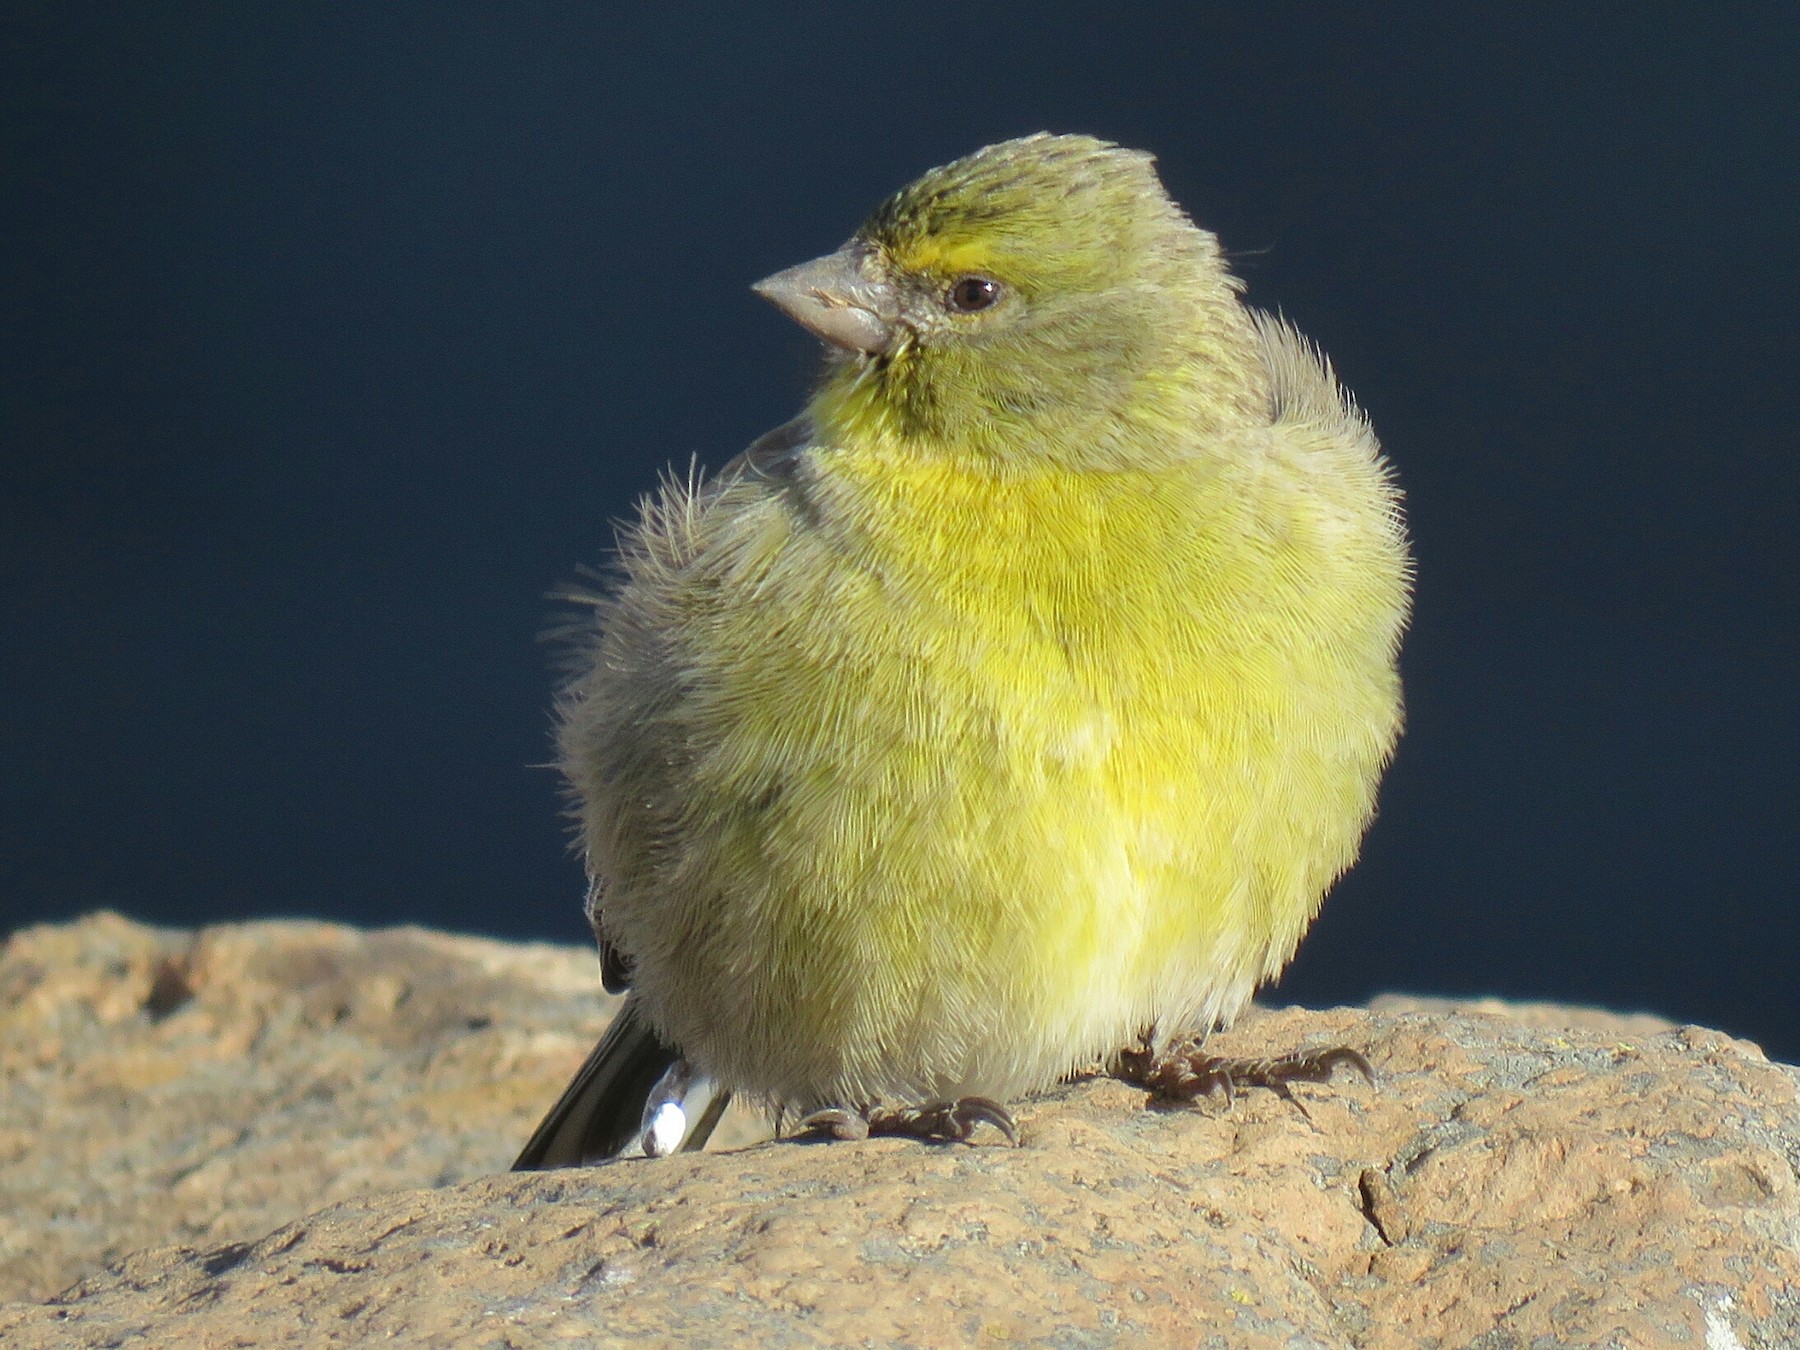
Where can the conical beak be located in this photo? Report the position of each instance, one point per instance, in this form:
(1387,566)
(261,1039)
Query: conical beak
(834,297)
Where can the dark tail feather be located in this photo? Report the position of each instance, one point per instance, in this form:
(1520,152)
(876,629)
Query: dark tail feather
(601,1113)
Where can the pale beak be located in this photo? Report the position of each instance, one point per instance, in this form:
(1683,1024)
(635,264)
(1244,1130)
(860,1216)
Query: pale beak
(834,297)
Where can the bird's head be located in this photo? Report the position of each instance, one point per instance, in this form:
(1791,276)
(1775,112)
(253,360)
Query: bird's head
(1040,298)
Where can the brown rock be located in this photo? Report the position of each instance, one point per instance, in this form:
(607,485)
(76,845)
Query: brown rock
(172,1086)
(1505,1185)
(1553,1016)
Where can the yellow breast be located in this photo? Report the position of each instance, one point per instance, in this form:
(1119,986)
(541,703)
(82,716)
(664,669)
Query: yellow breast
(1000,767)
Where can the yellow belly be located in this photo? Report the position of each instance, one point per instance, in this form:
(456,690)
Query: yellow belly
(987,775)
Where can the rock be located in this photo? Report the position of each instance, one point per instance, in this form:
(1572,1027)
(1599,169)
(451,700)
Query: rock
(202,1087)
(1553,1016)
(1508,1183)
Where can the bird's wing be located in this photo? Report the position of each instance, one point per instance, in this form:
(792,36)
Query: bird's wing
(615,965)
(772,454)
(770,457)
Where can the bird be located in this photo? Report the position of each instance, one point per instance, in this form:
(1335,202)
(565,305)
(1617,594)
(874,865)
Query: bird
(1008,711)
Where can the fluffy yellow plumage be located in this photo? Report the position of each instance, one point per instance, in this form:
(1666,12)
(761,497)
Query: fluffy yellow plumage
(1021,697)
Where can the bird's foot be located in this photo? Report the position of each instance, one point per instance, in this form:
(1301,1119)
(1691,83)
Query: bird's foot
(1184,1071)
(943,1122)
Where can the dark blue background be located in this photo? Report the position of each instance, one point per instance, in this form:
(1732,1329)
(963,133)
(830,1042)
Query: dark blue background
(336,334)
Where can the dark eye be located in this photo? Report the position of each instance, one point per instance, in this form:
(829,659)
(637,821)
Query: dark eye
(969,294)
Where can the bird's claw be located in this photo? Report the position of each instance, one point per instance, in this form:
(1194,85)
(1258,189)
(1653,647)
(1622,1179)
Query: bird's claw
(836,1122)
(942,1122)
(1185,1072)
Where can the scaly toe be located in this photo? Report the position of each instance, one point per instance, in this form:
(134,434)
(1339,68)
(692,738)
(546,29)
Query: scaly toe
(1184,1072)
(942,1122)
(953,1122)
(836,1122)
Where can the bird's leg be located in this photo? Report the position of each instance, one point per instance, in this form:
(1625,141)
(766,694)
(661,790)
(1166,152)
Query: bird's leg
(1184,1071)
(943,1122)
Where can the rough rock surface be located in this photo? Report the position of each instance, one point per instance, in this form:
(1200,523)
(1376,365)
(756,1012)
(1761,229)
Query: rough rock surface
(1512,1182)
(161,1085)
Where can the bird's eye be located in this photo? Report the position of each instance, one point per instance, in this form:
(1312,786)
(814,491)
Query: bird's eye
(970,294)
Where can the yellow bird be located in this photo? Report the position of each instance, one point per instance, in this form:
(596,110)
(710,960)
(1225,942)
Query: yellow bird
(1014,705)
